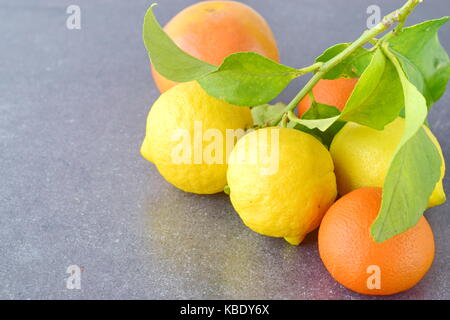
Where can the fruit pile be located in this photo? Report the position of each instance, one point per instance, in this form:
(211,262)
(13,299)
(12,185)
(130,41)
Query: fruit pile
(357,131)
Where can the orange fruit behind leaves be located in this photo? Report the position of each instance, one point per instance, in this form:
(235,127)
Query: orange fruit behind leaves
(331,92)
(352,256)
(212,30)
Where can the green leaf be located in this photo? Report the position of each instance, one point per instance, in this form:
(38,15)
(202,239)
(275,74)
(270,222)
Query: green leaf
(351,67)
(320,120)
(318,116)
(415,77)
(244,78)
(423,58)
(321,124)
(410,180)
(266,112)
(328,135)
(316,133)
(248,79)
(322,111)
(413,172)
(167,58)
(378,95)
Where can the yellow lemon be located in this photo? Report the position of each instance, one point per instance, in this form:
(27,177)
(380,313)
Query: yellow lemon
(189,136)
(362,157)
(281,182)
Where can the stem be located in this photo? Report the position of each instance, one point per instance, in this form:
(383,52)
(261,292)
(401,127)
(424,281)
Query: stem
(311,97)
(388,21)
(291,116)
(374,41)
(311,68)
(401,22)
(284,121)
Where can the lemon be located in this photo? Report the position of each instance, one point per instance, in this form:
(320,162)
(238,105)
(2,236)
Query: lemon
(187,137)
(362,157)
(281,182)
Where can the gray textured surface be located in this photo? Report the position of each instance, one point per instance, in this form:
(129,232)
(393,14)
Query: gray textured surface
(74,189)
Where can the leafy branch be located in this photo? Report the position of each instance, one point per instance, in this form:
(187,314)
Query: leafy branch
(398,15)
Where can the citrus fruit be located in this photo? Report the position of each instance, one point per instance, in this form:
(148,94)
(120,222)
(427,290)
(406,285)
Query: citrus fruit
(281,182)
(331,92)
(362,157)
(186,137)
(212,30)
(359,263)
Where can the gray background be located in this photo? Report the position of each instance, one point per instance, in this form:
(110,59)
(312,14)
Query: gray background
(74,189)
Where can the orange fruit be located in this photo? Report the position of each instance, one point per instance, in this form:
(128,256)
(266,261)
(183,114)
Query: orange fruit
(356,261)
(332,92)
(212,30)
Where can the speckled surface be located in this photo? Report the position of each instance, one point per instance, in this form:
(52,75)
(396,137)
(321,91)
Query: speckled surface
(74,189)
